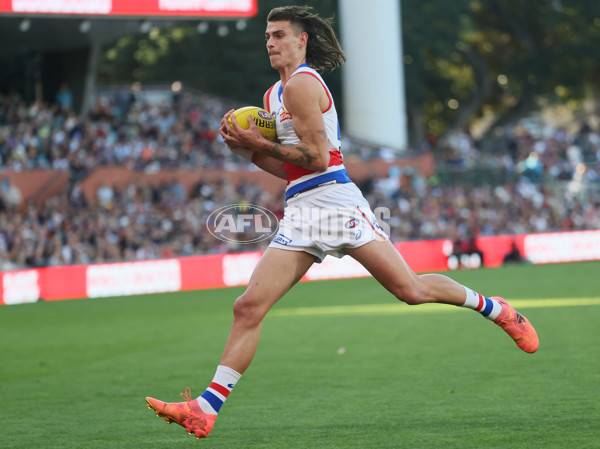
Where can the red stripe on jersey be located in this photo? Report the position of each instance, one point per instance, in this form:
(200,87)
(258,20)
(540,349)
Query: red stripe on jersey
(268,104)
(220,388)
(294,172)
(335,158)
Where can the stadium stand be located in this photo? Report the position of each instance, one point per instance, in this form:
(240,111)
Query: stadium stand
(137,177)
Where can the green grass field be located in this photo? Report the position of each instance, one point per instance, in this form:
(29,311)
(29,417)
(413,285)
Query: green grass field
(74,374)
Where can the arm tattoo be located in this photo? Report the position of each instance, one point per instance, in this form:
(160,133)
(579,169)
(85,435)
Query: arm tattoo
(276,151)
(305,159)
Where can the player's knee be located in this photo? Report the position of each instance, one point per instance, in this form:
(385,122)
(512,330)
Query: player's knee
(411,294)
(247,308)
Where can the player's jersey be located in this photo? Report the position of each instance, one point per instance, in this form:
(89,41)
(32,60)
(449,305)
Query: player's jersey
(301,179)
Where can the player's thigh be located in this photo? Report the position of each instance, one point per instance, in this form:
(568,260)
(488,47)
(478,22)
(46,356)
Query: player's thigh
(387,265)
(277,271)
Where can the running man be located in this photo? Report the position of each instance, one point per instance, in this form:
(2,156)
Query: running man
(307,155)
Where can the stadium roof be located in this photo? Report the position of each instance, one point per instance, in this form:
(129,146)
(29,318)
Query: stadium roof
(53,34)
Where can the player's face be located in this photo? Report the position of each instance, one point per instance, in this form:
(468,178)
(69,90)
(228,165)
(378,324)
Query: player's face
(286,47)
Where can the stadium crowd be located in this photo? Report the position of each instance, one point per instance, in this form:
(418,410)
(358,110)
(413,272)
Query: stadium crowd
(121,129)
(165,132)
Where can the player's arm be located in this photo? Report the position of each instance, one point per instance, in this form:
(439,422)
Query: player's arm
(266,163)
(269,164)
(304,98)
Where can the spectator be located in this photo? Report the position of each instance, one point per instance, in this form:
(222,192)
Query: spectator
(10,193)
(64,98)
(514,255)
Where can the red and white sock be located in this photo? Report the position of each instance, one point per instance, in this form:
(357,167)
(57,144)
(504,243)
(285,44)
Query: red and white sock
(217,392)
(487,307)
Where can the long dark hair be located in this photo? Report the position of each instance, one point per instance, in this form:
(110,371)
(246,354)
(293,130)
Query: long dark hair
(323,51)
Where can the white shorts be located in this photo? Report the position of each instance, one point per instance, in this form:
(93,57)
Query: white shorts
(326,220)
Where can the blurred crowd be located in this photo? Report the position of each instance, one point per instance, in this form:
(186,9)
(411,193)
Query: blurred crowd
(532,149)
(422,210)
(550,183)
(145,131)
(140,222)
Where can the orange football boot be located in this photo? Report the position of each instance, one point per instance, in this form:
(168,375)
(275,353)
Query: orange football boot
(187,414)
(517,326)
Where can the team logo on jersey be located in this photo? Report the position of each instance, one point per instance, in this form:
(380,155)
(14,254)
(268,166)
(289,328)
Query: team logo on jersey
(351,224)
(284,115)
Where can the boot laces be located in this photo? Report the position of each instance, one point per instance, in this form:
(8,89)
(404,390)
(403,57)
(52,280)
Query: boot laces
(187,394)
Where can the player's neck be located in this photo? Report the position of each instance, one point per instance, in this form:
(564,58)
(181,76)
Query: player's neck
(286,72)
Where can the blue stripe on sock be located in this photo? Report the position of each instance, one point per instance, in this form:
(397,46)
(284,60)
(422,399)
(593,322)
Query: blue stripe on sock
(214,401)
(489,305)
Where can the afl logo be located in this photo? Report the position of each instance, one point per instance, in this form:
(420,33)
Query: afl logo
(351,224)
(242,223)
(265,115)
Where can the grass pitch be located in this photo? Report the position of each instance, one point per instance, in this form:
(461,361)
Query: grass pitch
(340,365)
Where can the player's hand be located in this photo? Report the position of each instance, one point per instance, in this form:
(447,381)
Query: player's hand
(223,129)
(246,153)
(235,136)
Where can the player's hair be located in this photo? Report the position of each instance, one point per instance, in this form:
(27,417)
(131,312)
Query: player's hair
(323,50)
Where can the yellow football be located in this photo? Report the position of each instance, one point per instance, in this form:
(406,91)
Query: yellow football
(263,119)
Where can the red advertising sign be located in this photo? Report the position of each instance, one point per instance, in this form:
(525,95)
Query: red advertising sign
(133,278)
(136,8)
(229,270)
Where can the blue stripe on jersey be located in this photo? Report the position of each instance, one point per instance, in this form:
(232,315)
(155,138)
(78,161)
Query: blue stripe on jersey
(489,305)
(213,400)
(341,176)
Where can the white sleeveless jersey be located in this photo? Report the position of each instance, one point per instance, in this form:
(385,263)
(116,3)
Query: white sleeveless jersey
(301,179)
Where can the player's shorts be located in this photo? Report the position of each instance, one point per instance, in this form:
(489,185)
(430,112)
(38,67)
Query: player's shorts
(326,220)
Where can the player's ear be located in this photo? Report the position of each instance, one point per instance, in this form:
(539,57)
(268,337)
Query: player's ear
(303,39)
